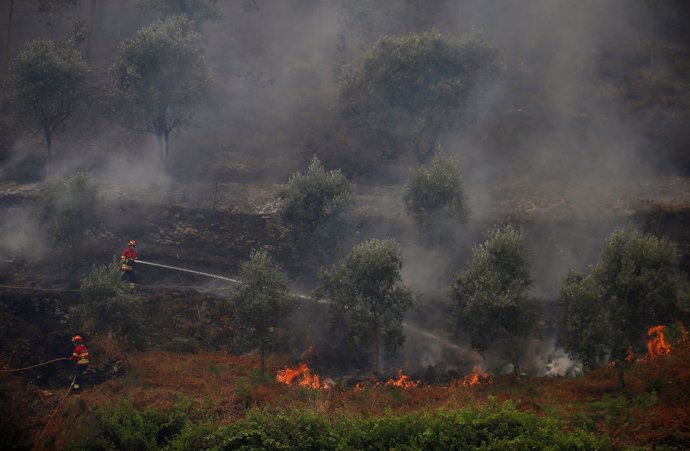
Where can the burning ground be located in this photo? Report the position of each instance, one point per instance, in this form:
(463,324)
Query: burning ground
(650,411)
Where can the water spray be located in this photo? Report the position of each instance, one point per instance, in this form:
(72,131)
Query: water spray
(216,276)
(406,325)
(174,268)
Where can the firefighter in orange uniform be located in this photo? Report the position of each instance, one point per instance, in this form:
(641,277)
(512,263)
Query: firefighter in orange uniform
(80,357)
(127,259)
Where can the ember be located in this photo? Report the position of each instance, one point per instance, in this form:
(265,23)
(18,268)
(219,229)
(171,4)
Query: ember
(301,375)
(476,377)
(657,344)
(403,381)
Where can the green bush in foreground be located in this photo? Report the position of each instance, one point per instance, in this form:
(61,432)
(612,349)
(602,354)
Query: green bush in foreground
(125,427)
(497,427)
(494,428)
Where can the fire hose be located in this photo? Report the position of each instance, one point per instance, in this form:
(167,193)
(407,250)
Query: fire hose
(52,415)
(216,276)
(34,366)
(188,270)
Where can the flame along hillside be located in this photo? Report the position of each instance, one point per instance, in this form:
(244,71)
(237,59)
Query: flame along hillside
(217,390)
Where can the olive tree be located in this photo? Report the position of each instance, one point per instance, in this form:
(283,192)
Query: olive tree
(636,284)
(367,297)
(313,207)
(46,81)
(158,78)
(260,301)
(435,190)
(71,208)
(109,306)
(491,296)
(412,88)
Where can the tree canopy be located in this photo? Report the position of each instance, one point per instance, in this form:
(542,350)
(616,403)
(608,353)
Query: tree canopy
(260,301)
(71,208)
(46,82)
(158,78)
(411,88)
(635,285)
(491,299)
(313,207)
(367,297)
(109,305)
(436,189)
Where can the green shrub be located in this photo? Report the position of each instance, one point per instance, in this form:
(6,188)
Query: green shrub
(497,427)
(125,427)
(314,207)
(303,430)
(193,437)
(109,305)
(70,208)
(436,191)
(494,428)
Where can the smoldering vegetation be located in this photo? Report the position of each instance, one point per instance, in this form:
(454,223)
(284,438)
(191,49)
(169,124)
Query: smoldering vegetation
(586,121)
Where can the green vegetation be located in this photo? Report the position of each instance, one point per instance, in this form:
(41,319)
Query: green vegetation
(47,80)
(412,88)
(636,284)
(125,427)
(71,209)
(492,307)
(368,301)
(158,78)
(109,306)
(436,190)
(314,205)
(496,427)
(260,301)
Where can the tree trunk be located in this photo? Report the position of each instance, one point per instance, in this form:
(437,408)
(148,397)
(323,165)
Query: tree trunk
(9,31)
(652,46)
(421,154)
(49,148)
(377,350)
(621,373)
(160,138)
(262,352)
(90,29)
(167,146)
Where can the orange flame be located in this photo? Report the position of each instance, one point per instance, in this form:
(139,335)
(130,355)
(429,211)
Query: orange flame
(403,381)
(475,378)
(657,344)
(301,375)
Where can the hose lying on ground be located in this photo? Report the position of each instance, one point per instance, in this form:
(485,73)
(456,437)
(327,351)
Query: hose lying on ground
(34,366)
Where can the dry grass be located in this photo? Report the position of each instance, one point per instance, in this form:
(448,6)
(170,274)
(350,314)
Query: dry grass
(651,409)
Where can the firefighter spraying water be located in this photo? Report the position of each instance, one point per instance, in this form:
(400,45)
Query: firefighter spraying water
(127,260)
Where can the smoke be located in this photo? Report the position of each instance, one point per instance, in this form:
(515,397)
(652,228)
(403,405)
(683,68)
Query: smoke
(553,144)
(20,237)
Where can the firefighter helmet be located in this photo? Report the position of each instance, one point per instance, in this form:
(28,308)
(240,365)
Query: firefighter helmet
(132,243)
(77,339)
